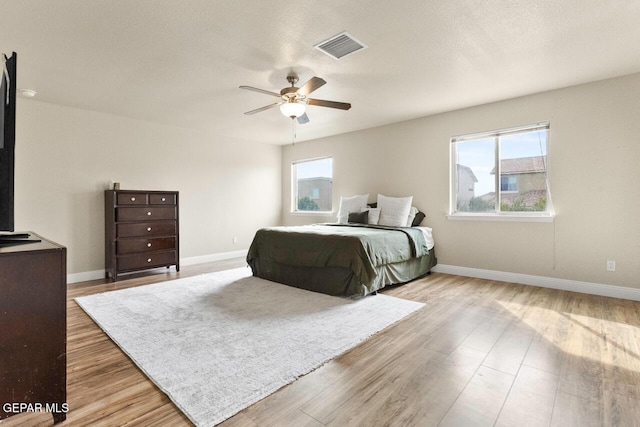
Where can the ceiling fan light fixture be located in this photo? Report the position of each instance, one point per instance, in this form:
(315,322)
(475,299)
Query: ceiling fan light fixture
(292,109)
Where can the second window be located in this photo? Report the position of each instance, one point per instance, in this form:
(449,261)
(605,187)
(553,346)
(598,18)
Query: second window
(501,171)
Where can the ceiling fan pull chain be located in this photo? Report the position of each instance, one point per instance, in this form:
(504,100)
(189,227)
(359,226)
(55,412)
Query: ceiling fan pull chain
(293,131)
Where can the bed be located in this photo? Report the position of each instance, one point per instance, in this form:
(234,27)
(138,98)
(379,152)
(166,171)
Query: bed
(340,259)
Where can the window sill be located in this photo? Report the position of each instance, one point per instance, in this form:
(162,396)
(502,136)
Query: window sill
(502,217)
(312,213)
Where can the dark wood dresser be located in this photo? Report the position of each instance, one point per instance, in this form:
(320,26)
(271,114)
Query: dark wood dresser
(33,329)
(141,230)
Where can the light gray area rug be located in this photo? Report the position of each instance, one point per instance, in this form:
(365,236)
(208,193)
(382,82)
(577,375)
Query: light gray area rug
(219,342)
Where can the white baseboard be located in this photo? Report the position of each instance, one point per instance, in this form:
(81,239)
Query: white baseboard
(542,281)
(524,279)
(85,276)
(100,274)
(213,257)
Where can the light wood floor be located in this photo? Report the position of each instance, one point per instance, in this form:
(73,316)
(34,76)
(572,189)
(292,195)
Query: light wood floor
(480,353)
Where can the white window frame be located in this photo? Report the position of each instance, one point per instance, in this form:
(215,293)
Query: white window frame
(294,187)
(546,216)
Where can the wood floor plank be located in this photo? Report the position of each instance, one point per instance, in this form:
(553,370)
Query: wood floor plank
(425,396)
(620,362)
(487,332)
(480,352)
(511,347)
(574,411)
(279,408)
(480,402)
(417,390)
(531,399)
(371,369)
(582,371)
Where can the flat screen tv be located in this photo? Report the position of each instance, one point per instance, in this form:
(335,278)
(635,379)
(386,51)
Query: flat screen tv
(7,139)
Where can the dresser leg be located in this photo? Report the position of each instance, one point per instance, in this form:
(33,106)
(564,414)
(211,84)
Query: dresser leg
(59,417)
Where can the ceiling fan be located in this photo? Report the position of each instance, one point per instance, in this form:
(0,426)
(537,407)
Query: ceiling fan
(293,100)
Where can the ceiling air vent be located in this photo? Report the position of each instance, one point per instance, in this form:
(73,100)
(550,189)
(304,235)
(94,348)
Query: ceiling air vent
(340,46)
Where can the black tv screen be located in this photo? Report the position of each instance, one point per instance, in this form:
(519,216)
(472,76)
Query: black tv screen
(7,139)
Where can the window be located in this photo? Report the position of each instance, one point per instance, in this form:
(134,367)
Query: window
(311,185)
(508,183)
(501,172)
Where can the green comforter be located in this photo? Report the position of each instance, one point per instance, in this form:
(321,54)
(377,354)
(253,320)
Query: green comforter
(358,247)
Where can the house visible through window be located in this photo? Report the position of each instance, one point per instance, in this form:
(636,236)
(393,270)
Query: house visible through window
(508,183)
(501,171)
(311,185)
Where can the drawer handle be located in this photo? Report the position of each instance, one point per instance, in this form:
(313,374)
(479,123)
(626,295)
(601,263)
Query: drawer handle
(133,199)
(149,213)
(148,259)
(149,244)
(164,200)
(148,228)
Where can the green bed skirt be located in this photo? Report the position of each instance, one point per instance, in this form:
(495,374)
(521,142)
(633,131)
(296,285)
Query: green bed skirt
(341,281)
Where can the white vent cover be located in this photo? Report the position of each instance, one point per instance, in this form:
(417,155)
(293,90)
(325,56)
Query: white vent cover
(340,45)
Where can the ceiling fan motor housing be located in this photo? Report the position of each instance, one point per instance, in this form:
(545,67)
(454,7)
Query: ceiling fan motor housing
(289,93)
(292,78)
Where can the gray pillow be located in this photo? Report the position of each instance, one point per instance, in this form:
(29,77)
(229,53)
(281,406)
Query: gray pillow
(359,217)
(418,219)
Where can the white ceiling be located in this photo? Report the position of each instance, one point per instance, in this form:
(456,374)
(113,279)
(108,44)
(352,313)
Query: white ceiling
(181,62)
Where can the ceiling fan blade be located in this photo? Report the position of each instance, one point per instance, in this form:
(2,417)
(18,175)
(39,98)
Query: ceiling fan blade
(310,86)
(303,119)
(330,104)
(266,107)
(255,89)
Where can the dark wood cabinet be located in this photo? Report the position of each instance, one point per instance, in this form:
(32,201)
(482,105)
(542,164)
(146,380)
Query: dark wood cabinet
(33,332)
(141,230)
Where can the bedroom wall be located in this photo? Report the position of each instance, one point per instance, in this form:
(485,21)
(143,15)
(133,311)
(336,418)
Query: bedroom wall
(594,164)
(66,157)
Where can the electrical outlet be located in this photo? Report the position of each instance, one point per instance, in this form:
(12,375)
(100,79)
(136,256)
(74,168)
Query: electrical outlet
(235,240)
(611,265)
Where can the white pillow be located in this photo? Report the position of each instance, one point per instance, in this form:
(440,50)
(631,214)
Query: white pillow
(394,211)
(412,215)
(351,204)
(374,215)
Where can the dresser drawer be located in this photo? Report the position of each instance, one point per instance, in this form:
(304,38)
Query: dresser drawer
(150,260)
(162,199)
(151,228)
(132,198)
(134,245)
(145,213)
